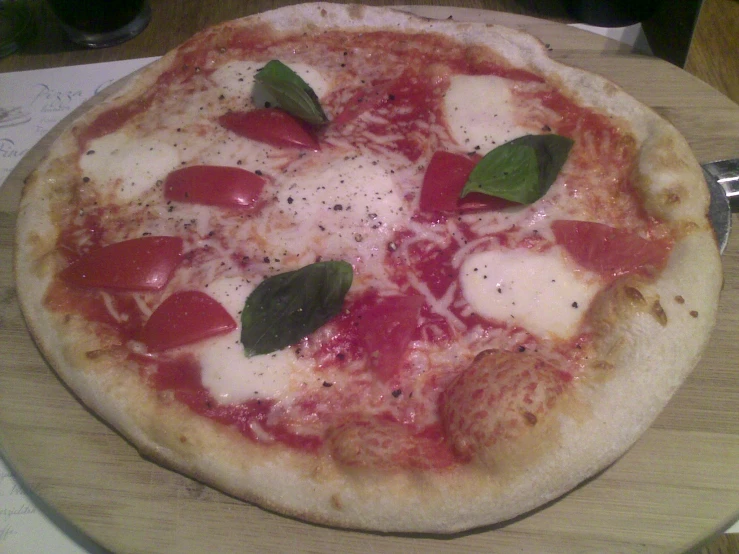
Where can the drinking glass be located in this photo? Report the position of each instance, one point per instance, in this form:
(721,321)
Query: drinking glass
(101,23)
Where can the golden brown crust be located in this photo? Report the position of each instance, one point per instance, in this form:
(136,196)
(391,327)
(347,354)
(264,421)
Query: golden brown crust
(647,342)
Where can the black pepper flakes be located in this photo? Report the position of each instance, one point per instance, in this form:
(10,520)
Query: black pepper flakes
(396,393)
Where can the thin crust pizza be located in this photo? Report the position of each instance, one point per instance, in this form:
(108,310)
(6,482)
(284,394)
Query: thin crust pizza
(371,270)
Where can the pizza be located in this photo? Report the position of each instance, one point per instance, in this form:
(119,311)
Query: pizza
(371,270)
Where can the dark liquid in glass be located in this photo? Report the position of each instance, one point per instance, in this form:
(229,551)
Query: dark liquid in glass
(96,16)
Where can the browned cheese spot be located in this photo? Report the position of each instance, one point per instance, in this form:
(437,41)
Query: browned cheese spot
(530,418)
(94,354)
(671,197)
(480,355)
(679,299)
(635,295)
(659,313)
(336,502)
(603,365)
(694,313)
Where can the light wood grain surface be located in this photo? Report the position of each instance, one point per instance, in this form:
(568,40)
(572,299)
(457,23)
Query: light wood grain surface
(714,52)
(678,486)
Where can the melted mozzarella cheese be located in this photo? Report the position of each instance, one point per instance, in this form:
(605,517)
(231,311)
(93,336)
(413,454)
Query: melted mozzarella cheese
(481,112)
(231,293)
(236,77)
(345,207)
(227,373)
(231,377)
(538,291)
(126,164)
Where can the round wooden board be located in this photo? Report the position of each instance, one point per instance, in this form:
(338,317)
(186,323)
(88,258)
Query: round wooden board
(677,486)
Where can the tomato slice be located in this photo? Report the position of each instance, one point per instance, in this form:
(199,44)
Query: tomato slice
(144,263)
(272,126)
(444,180)
(214,185)
(387,328)
(183,318)
(610,251)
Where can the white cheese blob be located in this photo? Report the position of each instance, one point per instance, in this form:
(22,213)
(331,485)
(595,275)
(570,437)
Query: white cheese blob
(345,207)
(128,166)
(227,373)
(540,292)
(237,77)
(481,112)
(231,293)
(231,377)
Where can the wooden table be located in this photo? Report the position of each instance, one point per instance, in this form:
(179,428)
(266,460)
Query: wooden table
(714,51)
(678,486)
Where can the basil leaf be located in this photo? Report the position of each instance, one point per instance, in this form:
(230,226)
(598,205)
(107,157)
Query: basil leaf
(521,170)
(286,307)
(292,93)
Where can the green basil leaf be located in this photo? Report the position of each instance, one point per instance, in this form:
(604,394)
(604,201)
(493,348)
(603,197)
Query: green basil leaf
(521,170)
(286,307)
(292,93)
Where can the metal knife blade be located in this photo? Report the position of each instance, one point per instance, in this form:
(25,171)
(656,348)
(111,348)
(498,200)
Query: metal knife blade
(722,177)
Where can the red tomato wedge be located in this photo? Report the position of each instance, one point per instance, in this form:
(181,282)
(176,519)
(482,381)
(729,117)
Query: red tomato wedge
(608,250)
(444,180)
(271,126)
(142,264)
(183,318)
(387,328)
(214,185)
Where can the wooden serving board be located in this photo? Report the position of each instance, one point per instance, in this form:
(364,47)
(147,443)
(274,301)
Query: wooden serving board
(676,487)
